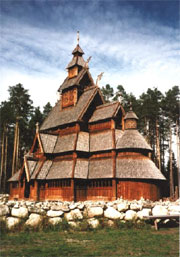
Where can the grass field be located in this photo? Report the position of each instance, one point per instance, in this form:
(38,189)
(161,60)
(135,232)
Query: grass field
(101,242)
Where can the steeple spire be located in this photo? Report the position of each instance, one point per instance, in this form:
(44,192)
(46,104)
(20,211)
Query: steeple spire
(77,62)
(78,37)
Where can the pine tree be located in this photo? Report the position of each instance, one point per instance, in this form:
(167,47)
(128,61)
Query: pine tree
(108,92)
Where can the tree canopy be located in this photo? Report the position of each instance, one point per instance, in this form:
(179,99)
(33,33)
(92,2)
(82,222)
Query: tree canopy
(18,120)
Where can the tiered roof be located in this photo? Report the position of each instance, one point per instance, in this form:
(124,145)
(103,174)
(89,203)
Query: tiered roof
(76,81)
(77,58)
(137,169)
(58,117)
(88,166)
(105,111)
(132,139)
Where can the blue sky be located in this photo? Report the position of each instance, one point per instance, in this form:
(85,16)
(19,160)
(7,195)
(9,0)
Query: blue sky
(135,43)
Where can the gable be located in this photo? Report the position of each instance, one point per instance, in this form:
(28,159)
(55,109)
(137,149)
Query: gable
(107,111)
(37,147)
(83,78)
(59,117)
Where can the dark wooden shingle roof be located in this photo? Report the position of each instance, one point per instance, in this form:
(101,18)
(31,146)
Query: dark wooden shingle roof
(130,115)
(48,142)
(37,169)
(75,81)
(78,49)
(44,170)
(15,177)
(132,139)
(105,111)
(58,117)
(76,60)
(101,141)
(31,166)
(137,169)
(100,168)
(81,168)
(60,169)
(65,143)
(83,142)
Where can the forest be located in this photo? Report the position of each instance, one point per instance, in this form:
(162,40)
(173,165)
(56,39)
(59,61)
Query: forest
(158,115)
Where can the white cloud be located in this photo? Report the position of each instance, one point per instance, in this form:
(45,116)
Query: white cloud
(42,89)
(129,52)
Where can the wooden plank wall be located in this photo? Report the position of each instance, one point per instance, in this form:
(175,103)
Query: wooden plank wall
(131,190)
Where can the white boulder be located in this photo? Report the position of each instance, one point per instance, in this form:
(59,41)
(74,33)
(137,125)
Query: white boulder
(130,215)
(34,220)
(143,212)
(122,206)
(55,221)
(4,210)
(11,222)
(55,207)
(76,214)
(111,213)
(68,216)
(72,206)
(95,212)
(53,214)
(110,223)
(94,223)
(21,212)
(159,210)
(73,224)
(80,206)
(136,206)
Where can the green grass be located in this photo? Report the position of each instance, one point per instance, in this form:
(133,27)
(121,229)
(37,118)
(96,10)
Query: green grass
(100,242)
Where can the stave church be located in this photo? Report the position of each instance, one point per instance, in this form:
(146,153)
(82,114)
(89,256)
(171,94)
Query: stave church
(87,149)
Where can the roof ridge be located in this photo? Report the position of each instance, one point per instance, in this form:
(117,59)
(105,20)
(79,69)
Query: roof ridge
(106,104)
(90,88)
(90,98)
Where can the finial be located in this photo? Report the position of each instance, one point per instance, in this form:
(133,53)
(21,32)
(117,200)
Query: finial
(130,106)
(86,63)
(37,127)
(99,78)
(119,96)
(78,37)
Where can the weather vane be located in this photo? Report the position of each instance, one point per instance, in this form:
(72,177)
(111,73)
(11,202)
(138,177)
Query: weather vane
(78,37)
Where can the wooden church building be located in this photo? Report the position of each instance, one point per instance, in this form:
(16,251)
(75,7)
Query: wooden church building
(87,149)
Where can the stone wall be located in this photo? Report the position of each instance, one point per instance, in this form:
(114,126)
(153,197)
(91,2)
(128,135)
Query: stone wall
(32,213)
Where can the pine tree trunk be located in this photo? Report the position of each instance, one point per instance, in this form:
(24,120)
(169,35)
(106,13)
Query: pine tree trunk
(2,158)
(158,146)
(15,148)
(5,161)
(178,155)
(171,181)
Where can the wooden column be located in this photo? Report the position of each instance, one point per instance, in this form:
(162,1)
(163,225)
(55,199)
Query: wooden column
(72,197)
(46,194)
(35,196)
(114,184)
(72,178)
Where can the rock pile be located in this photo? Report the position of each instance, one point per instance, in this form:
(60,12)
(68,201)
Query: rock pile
(32,213)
